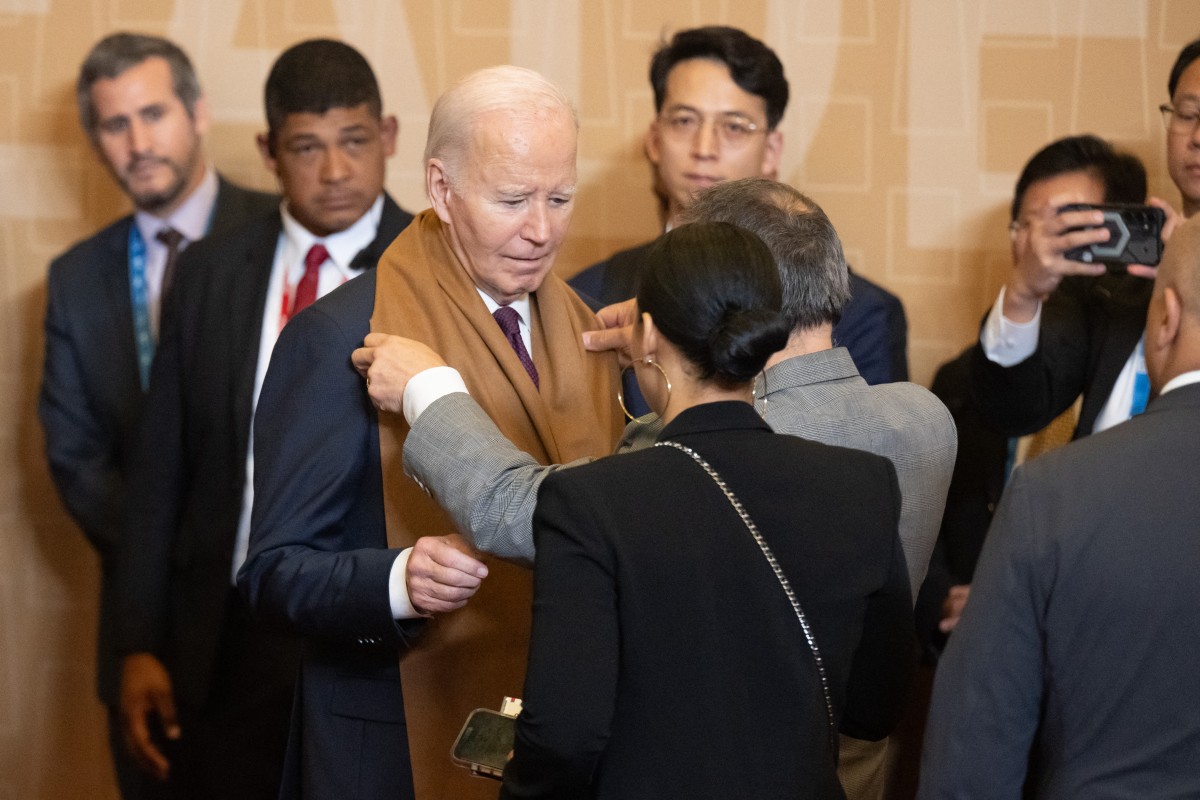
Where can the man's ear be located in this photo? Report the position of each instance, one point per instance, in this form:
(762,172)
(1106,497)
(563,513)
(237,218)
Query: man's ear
(201,121)
(437,186)
(267,151)
(772,154)
(389,129)
(1172,317)
(652,144)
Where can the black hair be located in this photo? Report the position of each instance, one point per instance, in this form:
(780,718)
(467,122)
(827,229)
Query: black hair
(114,54)
(1189,53)
(753,66)
(315,76)
(713,291)
(1123,175)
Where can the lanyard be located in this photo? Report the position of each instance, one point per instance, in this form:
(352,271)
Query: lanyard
(138,295)
(1141,381)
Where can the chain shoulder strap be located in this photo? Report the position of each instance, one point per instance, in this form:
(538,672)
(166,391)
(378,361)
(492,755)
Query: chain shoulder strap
(783,581)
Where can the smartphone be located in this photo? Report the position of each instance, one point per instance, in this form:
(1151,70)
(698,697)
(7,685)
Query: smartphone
(1134,236)
(484,743)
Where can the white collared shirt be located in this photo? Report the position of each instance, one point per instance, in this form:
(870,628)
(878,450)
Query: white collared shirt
(1008,343)
(288,267)
(1182,379)
(191,219)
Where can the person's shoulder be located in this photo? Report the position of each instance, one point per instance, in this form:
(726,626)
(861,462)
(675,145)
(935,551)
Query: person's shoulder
(109,244)
(615,278)
(350,305)
(236,202)
(867,294)
(627,469)
(914,411)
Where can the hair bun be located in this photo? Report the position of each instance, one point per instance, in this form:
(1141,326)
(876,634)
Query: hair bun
(743,341)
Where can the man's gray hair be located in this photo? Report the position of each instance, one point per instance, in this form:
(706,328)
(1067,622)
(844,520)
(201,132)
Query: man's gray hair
(117,52)
(806,247)
(520,91)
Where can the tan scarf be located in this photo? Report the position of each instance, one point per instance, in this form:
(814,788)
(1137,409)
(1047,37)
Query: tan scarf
(472,658)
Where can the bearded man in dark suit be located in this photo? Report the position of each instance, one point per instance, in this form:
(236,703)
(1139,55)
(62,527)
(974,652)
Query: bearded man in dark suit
(141,106)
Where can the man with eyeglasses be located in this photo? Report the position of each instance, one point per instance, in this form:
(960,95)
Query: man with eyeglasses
(719,95)
(1183,133)
(1062,328)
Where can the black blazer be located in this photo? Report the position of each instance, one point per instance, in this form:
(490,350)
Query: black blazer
(666,660)
(186,498)
(91,398)
(319,564)
(1089,327)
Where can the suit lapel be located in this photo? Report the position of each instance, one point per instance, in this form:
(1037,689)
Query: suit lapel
(114,277)
(247,298)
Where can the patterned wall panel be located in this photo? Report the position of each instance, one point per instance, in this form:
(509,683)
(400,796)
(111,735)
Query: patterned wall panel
(909,121)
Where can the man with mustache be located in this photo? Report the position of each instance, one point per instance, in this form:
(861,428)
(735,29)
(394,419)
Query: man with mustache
(143,111)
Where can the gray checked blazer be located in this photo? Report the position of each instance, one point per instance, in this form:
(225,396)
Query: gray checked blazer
(489,487)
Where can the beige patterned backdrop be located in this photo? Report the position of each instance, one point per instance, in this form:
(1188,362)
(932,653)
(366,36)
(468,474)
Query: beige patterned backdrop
(908,122)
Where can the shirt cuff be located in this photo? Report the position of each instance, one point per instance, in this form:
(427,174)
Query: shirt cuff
(1005,342)
(428,386)
(402,607)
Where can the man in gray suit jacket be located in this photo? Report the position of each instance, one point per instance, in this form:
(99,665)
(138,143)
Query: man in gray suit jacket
(809,389)
(1082,633)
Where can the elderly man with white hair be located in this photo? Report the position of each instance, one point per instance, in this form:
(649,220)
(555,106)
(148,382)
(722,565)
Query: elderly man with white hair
(334,554)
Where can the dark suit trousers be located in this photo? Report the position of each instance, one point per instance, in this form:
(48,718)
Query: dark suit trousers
(233,746)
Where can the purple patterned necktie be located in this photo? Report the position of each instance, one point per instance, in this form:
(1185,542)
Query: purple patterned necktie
(509,322)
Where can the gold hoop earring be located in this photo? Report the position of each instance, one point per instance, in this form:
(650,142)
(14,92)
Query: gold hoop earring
(650,362)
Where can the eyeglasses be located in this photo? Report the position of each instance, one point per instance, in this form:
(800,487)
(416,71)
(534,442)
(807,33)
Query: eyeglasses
(1181,121)
(732,129)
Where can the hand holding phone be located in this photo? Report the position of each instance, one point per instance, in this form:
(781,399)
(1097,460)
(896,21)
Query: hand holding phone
(1134,236)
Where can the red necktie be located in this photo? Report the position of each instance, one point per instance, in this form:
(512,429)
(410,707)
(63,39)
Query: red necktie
(306,289)
(509,321)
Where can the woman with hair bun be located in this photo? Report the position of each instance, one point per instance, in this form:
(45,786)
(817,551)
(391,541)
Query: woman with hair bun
(709,612)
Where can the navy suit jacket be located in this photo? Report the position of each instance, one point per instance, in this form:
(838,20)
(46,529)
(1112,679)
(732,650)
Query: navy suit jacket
(91,400)
(874,329)
(319,564)
(174,569)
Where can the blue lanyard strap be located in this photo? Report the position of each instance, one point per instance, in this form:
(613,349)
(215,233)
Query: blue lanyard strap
(1141,381)
(138,292)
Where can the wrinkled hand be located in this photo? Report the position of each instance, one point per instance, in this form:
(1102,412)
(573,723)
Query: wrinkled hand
(388,363)
(952,607)
(1042,239)
(1169,225)
(617,322)
(443,573)
(146,690)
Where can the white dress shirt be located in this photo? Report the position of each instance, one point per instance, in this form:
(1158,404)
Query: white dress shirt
(287,269)
(191,219)
(1008,343)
